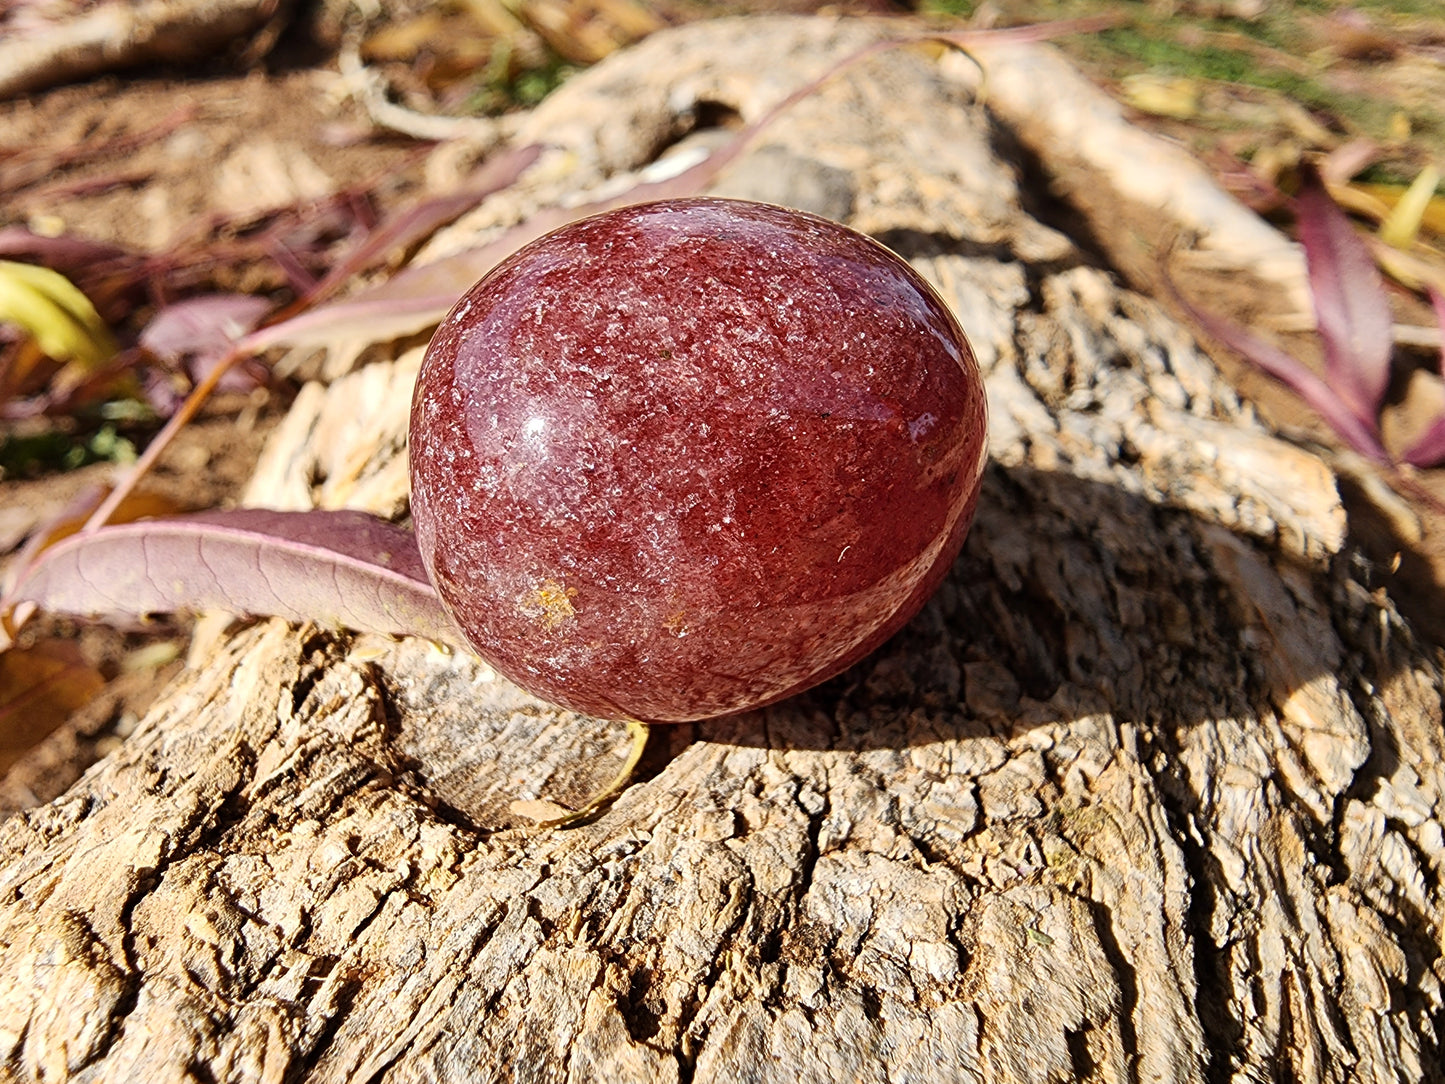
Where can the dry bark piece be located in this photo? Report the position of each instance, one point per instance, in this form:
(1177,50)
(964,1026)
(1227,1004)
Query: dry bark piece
(1152,789)
(1101,163)
(105,36)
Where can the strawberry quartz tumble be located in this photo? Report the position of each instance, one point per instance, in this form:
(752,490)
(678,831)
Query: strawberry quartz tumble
(687,458)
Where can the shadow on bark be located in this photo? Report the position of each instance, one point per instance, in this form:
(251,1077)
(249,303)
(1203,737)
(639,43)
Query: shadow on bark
(1071,597)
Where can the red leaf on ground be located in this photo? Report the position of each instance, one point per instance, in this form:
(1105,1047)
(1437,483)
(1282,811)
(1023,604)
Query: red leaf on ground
(1359,434)
(1351,307)
(428,216)
(64,253)
(202,328)
(420,296)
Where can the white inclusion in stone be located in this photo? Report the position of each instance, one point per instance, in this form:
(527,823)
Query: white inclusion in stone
(920,426)
(534,427)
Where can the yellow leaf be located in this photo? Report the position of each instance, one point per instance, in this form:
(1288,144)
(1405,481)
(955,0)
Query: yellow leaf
(1162,95)
(51,310)
(1362,199)
(1411,270)
(1375,201)
(1402,225)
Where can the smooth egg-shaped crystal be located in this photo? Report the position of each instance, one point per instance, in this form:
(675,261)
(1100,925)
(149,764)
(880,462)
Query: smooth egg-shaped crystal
(688,458)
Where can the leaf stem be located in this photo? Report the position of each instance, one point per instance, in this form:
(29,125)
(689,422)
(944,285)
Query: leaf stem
(639,732)
(177,421)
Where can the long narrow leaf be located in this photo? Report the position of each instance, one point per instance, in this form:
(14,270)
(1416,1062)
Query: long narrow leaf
(65,254)
(418,297)
(425,218)
(1351,307)
(198,334)
(344,569)
(1287,370)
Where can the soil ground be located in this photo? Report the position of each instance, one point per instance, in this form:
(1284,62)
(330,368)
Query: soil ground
(186,161)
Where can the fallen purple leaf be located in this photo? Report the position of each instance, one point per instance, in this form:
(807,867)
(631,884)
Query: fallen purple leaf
(428,216)
(1351,307)
(91,186)
(298,277)
(197,334)
(337,569)
(1357,433)
(410,302)
(202,326)
(1429,449)
(420,296)
(63,253)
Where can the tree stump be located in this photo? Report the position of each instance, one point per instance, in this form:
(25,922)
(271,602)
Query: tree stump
(1151,789)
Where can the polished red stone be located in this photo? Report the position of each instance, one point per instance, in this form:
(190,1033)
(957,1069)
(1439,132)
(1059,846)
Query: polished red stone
(690,457)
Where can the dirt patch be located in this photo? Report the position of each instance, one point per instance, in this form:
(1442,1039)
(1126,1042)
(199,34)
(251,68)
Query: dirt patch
(154,163)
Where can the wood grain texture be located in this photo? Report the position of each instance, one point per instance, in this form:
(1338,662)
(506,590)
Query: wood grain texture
(1151,790)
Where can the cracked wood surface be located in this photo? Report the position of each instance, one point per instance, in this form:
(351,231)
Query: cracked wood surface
(1151,790)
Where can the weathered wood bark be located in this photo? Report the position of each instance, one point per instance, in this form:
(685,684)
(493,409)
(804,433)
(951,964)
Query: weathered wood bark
(1151,790)
(79,40)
